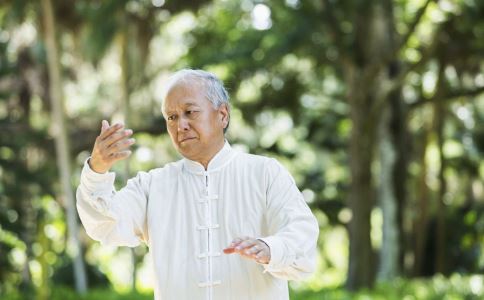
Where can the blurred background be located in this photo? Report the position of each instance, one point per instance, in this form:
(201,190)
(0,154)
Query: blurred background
(376,107)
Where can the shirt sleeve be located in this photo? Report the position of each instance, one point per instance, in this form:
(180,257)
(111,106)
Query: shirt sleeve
(294,229)
(113,217)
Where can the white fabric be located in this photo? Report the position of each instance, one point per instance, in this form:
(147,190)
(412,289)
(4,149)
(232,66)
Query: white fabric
(187,215)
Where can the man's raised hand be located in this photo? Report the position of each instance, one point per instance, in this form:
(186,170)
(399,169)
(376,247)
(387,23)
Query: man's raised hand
(111,145)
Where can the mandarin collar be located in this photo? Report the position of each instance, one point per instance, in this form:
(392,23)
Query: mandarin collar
(219,160)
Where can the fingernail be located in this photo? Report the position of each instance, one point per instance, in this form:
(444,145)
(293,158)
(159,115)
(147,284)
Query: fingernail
(132,140)
(129,131)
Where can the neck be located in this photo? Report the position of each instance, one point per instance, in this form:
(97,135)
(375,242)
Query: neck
(216,149)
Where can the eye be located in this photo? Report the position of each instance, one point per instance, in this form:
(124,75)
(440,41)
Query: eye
(191,112)
(171,117)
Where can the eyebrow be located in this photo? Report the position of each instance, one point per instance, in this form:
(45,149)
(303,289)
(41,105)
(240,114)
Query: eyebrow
(185,105)
(190,104)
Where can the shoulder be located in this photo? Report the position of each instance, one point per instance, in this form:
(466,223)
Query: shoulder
(268,166)
(253,159)
(167,170)
(259,160)
(161,174)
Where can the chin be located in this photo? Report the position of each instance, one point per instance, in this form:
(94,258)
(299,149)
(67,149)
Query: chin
(187,150)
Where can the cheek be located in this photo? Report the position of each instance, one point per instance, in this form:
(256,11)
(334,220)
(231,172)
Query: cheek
(172,132)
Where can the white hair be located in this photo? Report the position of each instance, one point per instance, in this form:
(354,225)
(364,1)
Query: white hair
(213,87)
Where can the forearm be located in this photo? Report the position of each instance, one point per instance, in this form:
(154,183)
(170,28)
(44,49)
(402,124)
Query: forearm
(103,212)
(293,250)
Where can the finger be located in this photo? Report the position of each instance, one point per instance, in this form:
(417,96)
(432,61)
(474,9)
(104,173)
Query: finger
(229,250)
(120,146)
(110,130)
(253,250)
(104,125)
(245,244)
(117,137)
(121,155)
(237,241)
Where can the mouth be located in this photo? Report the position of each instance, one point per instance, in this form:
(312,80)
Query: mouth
(186,139)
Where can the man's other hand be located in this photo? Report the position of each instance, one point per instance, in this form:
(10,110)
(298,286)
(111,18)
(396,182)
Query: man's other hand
(250,248)
(111,145)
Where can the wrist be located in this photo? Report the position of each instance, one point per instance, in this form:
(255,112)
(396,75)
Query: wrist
(96,168)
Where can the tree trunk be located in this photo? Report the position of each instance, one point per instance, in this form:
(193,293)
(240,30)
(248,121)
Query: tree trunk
(389,254)
(125,105)
(420,227)
(440,229)
(373,42)
(400,171)
(61,143)
(43,290)
(29,226)
(360,201)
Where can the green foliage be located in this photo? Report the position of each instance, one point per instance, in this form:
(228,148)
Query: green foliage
(456,287)
(289,100)
(65,293)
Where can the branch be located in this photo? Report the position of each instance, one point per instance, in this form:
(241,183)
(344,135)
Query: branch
(393,55)
(412,27)
(426,55)
(451,96)
(336,33)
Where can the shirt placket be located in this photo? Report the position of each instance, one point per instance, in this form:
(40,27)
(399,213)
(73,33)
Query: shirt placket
(206,230)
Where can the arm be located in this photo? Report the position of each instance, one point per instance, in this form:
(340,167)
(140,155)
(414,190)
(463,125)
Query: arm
(116,218)
(113,218)
(294,229)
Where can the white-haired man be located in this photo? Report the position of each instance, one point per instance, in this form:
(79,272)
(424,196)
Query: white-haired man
(195,212)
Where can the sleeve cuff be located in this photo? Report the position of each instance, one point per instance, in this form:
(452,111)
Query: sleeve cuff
(98,186)
(94,177)
(276,247)
(97,182)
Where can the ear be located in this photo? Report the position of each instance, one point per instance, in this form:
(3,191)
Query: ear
(224,115)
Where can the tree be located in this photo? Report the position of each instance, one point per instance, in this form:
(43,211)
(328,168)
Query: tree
(62,146)
(357,43)
(390,89)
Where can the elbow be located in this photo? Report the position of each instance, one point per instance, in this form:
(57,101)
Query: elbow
(301,276)
(293,274)
(305,271)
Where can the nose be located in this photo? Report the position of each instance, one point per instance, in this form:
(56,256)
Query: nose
(183,124)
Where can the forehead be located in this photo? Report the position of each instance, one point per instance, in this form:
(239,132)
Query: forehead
(185,94)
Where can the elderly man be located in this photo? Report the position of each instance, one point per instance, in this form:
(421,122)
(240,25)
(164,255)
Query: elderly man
(219,224)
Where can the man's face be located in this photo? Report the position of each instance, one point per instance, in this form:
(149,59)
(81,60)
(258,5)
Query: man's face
(195,126)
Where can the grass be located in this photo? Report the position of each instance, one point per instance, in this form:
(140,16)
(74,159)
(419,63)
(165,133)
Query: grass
(456,287)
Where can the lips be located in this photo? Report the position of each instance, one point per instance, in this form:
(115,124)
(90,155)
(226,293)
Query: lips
(186,139)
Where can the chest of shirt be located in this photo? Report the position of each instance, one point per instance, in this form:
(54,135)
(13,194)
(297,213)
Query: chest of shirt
(184,203)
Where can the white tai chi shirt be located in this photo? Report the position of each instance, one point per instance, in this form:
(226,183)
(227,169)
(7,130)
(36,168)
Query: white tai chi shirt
(187,215)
